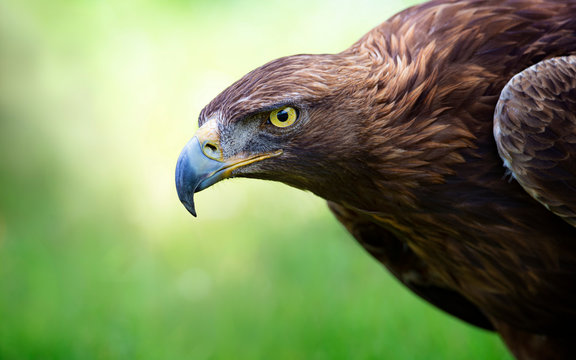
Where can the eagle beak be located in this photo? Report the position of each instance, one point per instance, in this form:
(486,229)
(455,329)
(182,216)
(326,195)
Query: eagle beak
(201,164)
(195,171)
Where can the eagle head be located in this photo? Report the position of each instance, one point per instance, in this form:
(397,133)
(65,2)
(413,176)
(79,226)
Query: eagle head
(296,120)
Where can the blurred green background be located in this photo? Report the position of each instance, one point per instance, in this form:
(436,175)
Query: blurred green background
(98,259)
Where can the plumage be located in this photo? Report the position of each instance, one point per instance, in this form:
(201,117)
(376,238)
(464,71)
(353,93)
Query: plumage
(408,134)
(535,130)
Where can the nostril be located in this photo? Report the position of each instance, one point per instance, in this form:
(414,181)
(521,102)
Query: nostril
(211,150)
(211,147)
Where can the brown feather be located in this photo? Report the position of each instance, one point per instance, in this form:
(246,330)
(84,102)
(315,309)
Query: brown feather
(535,124)
(396,132)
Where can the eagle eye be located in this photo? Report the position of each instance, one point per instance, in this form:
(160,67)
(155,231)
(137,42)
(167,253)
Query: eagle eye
(283,117)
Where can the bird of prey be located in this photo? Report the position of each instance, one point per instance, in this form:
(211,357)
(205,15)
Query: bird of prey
(444,140)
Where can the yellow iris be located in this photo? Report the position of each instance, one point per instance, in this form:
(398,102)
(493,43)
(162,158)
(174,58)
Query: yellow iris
(283,117)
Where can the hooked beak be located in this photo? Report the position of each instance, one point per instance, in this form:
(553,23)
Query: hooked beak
(201,164)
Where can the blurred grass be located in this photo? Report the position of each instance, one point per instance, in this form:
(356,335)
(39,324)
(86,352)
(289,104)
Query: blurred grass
(98,260)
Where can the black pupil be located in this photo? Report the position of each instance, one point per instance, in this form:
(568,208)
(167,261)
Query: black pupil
(282,115)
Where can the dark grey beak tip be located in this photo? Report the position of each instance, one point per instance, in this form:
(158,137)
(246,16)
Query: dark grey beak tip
(189,205)
(191,210)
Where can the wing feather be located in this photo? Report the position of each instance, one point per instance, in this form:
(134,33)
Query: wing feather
(535,131)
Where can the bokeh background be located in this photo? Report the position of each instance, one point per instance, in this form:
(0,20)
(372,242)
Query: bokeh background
(98,259)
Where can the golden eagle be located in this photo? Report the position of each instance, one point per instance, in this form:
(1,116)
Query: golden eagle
(445,141)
